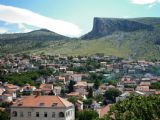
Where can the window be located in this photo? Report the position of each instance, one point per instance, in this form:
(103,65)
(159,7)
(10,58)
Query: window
(61,114)
(53,115)
(41,104)
(29,114)
(37,114)
(54,104)
(45,114)
(14,114)
(21,114)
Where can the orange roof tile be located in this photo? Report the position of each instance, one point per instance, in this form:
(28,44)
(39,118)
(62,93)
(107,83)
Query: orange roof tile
(73,94)
(104,111)
(145,83)
(37,101)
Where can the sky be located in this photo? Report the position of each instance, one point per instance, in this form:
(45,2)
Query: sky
(69,17)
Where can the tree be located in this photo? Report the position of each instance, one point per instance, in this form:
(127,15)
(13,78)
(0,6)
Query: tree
(137,108)
(99,98)
(96,84)
(87,115)
(90,92)
(112,93)
(155,85)
(4,115)
(63,92)
(112,82)
(87,103)
(72,99)
(71,86)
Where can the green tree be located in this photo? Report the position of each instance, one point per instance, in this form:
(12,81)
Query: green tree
(87,103)
(72,99)
(112,82)
(87,115)
(71,86)
(112,93)
(63,92)
(4,115)
(96,84)
(99,98)
(90,92)
(155,85)
(137,108)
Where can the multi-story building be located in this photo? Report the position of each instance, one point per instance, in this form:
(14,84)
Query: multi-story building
(42,108)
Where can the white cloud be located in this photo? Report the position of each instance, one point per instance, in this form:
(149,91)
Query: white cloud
(23,28)
(3,30)
(145,2)
(21,16)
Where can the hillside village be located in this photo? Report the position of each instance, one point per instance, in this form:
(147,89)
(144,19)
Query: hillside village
(75,83)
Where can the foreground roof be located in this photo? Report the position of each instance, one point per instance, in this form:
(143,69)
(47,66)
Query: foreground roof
(42,101)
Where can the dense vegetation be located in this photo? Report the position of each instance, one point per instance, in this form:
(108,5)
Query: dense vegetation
(136,108)
(87,115)
(111,94)
(4,115)
(25,77)
(155,85)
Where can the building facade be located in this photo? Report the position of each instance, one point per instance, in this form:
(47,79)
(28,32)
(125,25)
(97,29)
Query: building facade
(42,108)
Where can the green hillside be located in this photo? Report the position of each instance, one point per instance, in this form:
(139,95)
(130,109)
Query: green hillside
(136,38)
(136,44)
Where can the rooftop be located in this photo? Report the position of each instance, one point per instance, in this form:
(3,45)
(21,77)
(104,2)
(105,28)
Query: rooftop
(46,101)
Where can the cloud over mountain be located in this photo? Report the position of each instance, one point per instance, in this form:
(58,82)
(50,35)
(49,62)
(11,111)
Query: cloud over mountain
(3,30)
(14,15)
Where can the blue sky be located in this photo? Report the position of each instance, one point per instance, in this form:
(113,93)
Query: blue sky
(74,17)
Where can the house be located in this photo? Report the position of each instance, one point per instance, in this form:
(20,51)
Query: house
(1,91)
(2,109)
(10,86)
(90,85)
(63,69)
(146,79)
(143,88)
(73,94)
(104,110)
(40,80)
(79,105)
(102,88)
(46,88)
(122,96)
(69,72)
(57,90)
(76,77)
(103,64)
(28,89)
(42,108)
(76,64)
(62,80)
(120,86)
(81,87)
(50,79)
(6,98)
(95,105)
(145,84)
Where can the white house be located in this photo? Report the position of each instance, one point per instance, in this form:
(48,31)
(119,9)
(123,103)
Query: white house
(57,90)
(76,77)
(42,108)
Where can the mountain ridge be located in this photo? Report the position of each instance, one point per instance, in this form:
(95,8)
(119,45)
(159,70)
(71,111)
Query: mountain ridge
(107,26)
(134,37)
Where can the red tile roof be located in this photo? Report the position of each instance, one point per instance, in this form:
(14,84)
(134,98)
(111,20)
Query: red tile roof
(104,111)
(42,101)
